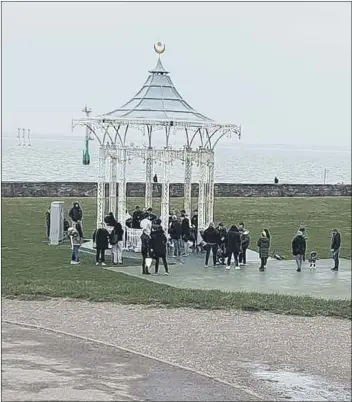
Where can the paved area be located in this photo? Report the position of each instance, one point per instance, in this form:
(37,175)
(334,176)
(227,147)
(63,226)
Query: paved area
(41,365)
(279,277)
(265,356)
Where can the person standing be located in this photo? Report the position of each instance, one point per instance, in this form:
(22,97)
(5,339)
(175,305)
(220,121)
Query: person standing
(75,213)
(158,249)
(299,249)
(76,242)
(335,248)
(245,240)
(185,232)
(194,223)
(110,220)
(264,246)
(223,237)
(136,218)
(47,220)
(175,233)
(101,239)
(116,241)
(146,250)
(212,239)
(233,246)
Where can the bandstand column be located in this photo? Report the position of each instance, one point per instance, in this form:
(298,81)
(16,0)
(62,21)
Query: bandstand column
(122,186)
(188,181)
(101,186)
(201,193)
(210,188)
(165,190)
(149,177)
(113,180)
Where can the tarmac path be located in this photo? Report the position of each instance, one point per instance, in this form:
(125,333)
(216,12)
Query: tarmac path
(74,350)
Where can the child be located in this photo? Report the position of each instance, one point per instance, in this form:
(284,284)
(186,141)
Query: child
(76,242)
(312,258)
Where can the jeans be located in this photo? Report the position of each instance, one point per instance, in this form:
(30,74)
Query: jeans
(116,250)
(235,255)
(243,256)
(177,246)
(335,257)
(101,254)
(157,259)
(75,253)
(299,261)
(213,248)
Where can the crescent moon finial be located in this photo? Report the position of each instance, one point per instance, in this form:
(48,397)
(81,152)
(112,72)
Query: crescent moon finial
(159,48)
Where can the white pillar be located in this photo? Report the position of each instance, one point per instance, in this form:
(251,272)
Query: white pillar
(24,136)
(122,186)
(187,200)
(210,188)
(113,180)
(101,186)
(201,194)
(165,190)
(149,178)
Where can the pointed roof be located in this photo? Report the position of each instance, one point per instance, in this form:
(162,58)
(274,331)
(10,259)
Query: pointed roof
(158,99)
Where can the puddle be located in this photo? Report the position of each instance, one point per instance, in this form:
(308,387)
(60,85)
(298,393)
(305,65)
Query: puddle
(298,386)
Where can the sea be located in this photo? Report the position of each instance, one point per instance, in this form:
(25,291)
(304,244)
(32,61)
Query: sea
(59,158)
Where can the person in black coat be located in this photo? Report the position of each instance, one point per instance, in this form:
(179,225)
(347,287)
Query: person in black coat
(233,245)
(299,249)
(158,249)
(116,241)
(194,228)
(185,232)
(110,220)
(212,239)
(175,232)
(335,248)
(245,240)
(146,250)
(136,218)
(101,238)
(76,213)
(223,236)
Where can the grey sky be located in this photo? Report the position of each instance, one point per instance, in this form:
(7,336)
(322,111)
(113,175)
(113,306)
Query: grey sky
(282,70)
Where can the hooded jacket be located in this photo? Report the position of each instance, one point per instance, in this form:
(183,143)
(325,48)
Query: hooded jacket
(117,233)
(299,245)
(101,237)
(158,242)
(211,236)
(76,212)
(233,240)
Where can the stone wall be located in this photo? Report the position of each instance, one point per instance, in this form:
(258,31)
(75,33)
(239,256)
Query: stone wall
(81,189)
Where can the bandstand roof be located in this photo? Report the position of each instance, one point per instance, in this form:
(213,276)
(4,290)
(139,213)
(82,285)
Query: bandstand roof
(158,99)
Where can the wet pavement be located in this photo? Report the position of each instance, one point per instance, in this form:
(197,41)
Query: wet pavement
(279,277)
(39,365)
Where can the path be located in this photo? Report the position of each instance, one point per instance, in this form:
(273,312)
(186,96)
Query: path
(280,276)
(263,356)
(41,365)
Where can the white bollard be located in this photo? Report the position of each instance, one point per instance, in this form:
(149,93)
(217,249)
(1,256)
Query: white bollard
(57,222)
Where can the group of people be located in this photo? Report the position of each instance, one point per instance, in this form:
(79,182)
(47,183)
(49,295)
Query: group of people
(299,247)
(181,237)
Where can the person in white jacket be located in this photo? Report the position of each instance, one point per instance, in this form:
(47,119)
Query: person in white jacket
(146,223)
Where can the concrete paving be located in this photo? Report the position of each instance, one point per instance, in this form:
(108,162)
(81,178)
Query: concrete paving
(279,277)
(39,365)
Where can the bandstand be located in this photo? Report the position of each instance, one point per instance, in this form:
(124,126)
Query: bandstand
(157,109)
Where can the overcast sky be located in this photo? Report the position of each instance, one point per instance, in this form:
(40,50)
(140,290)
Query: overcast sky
(281,70)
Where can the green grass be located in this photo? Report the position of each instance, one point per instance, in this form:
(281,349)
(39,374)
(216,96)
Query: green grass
(32,269)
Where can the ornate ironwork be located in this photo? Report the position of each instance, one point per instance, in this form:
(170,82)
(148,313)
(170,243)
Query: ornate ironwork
(101,186)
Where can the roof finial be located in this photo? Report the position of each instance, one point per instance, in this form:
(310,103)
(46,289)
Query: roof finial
(159,48)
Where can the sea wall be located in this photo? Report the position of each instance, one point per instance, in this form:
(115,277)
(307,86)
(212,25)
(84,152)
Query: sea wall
(84,189)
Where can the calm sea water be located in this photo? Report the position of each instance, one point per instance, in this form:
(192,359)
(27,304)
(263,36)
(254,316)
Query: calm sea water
(60,159)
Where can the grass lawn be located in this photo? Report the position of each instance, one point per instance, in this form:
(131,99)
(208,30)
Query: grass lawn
(32,269)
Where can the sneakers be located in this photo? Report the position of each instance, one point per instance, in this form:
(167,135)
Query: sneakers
(103,264)
(73,262)
(97,263)
(228,267)
(167,273)
(334,269)
(205,266)
(155,274)
(237,267)
(262,269)
(298,270)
